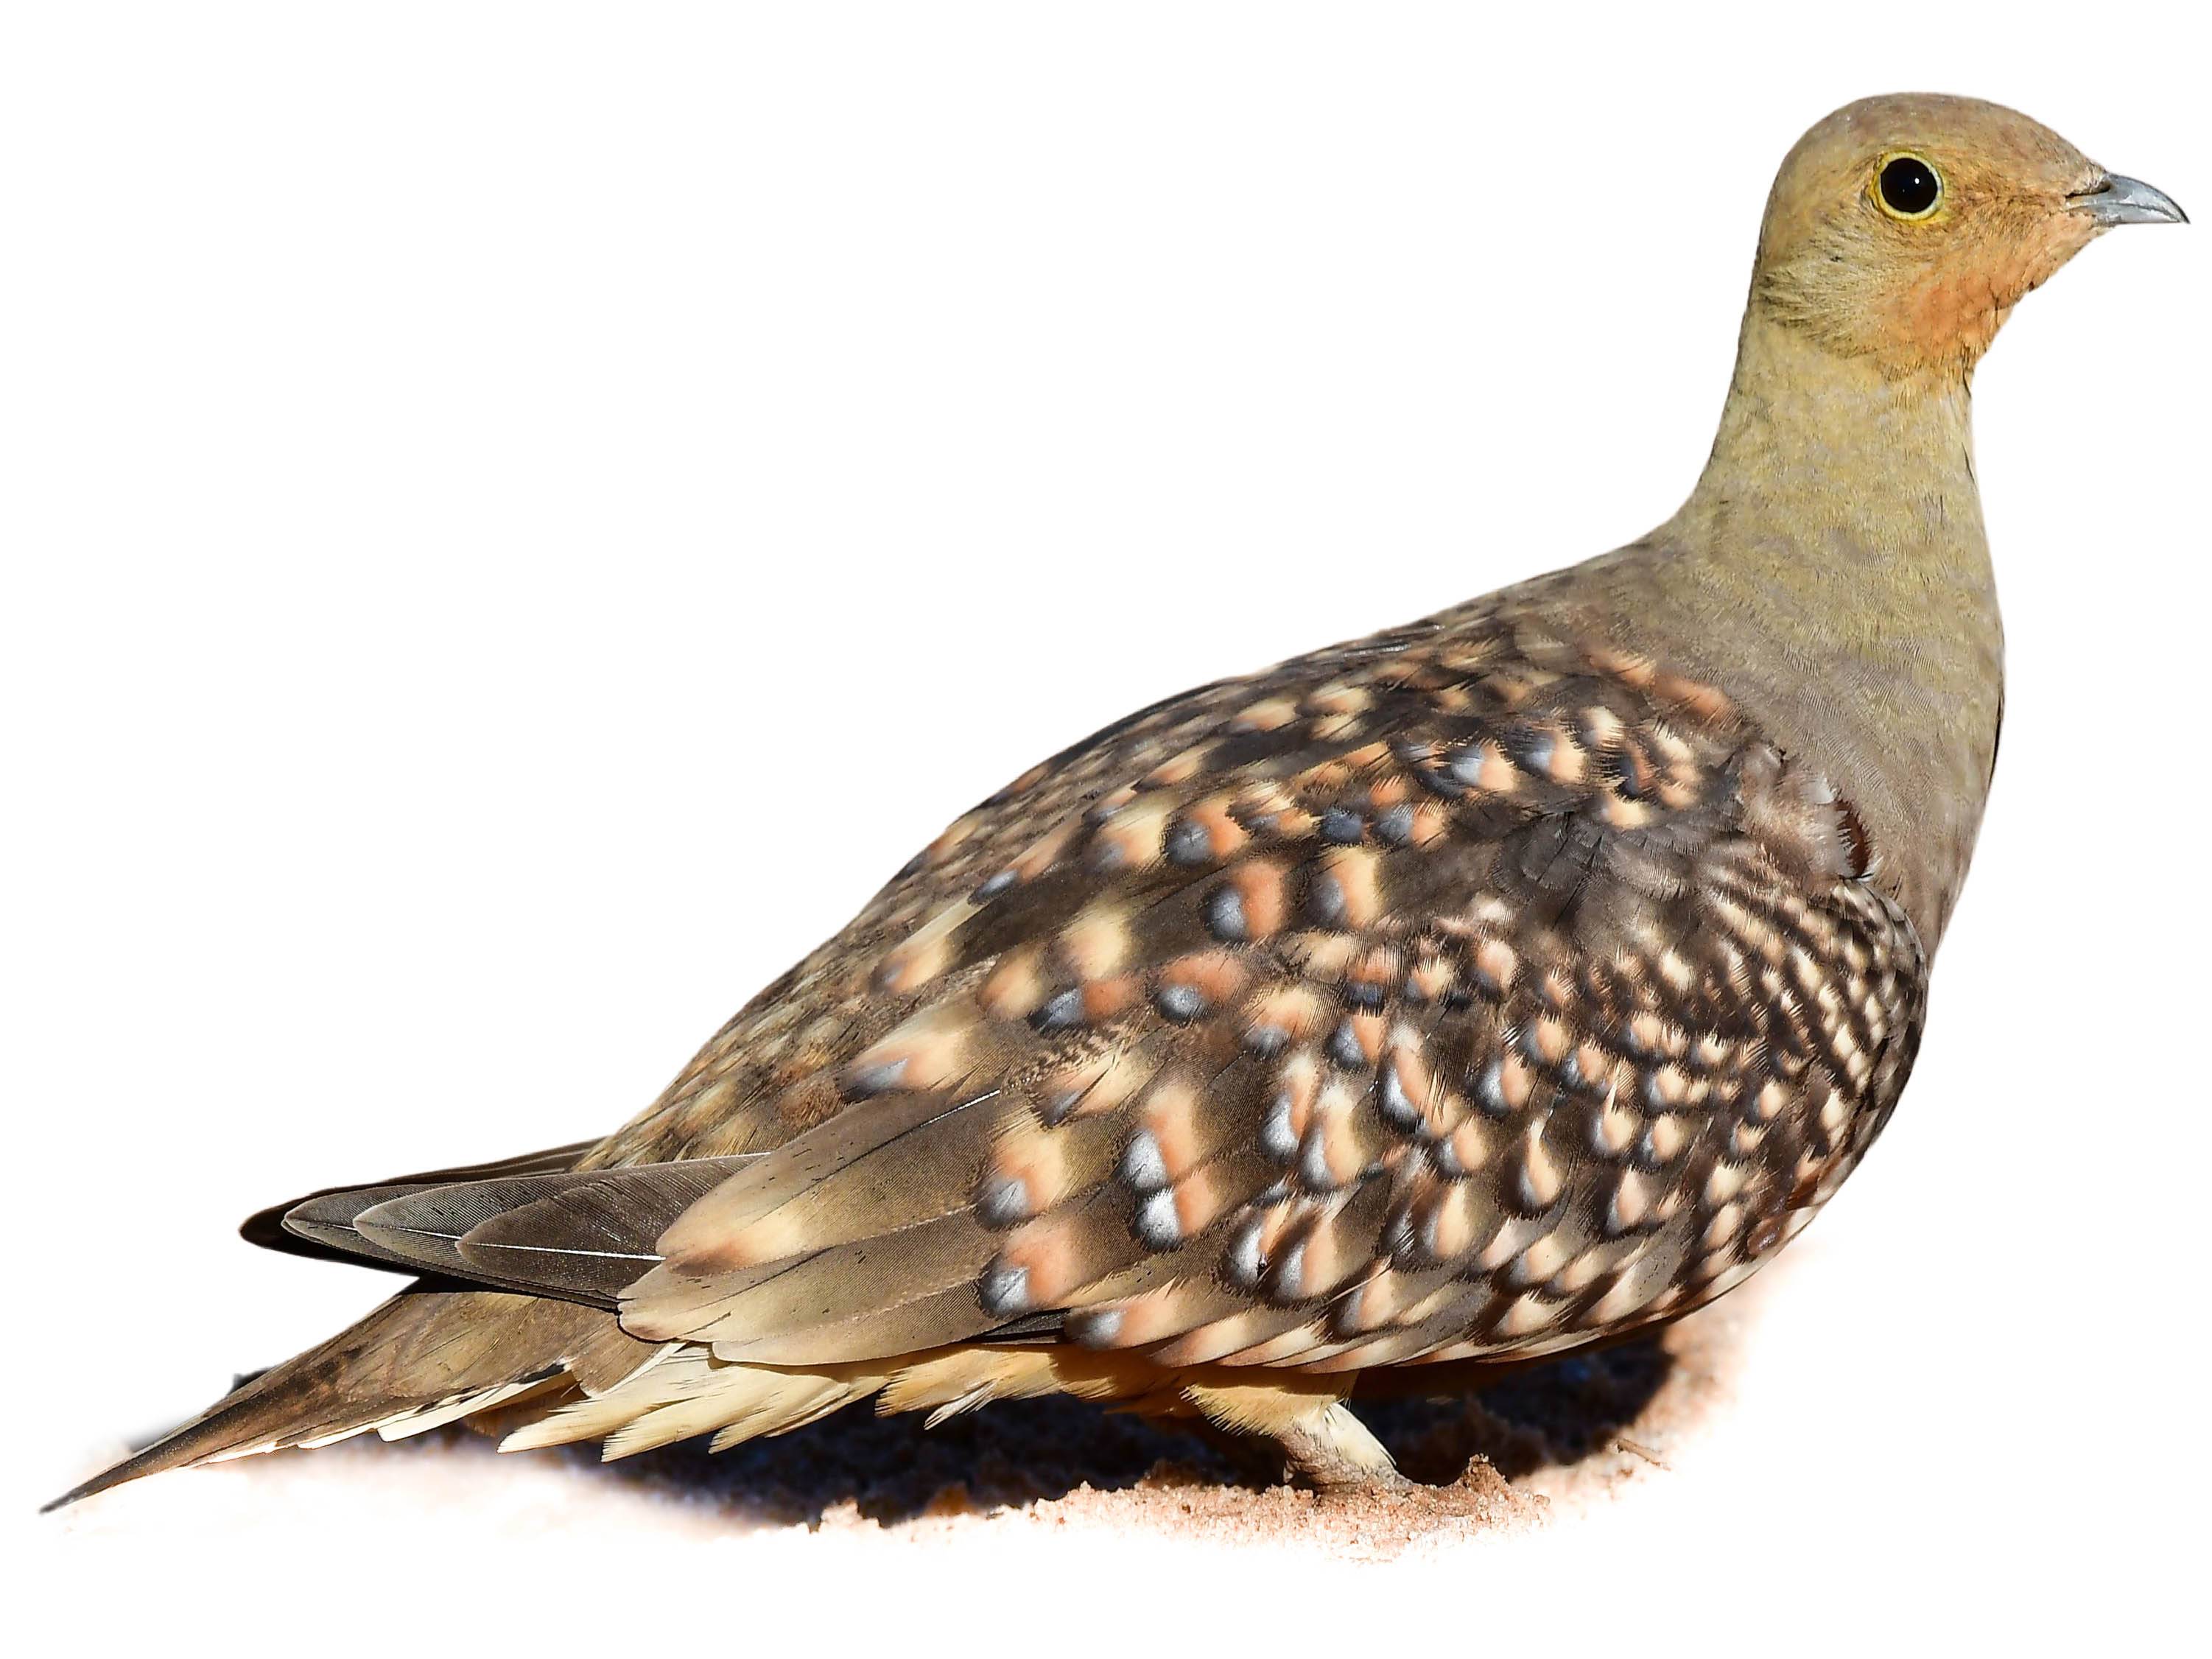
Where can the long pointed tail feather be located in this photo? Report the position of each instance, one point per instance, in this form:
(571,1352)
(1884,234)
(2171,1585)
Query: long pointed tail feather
(433,1349)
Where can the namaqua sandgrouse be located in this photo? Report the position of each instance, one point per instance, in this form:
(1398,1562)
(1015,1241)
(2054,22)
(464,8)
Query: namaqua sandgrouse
(1500,984)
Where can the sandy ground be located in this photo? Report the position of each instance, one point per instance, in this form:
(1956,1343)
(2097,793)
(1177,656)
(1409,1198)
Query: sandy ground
(1560,1438)
(1767,1464)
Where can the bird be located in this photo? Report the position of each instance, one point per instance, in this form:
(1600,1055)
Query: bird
(1506,983)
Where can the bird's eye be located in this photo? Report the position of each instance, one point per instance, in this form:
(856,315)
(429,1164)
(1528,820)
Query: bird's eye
(1908,187)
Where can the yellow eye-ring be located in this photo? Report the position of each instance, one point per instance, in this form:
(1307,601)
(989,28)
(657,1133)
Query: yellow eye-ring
(1908,187)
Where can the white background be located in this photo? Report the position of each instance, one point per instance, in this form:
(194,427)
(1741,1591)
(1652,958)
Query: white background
(516,519)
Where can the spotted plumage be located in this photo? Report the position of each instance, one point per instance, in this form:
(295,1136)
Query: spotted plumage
(1466,992)
(1499,984)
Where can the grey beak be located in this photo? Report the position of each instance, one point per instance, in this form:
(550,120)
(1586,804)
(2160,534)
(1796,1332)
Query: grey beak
(2120,201)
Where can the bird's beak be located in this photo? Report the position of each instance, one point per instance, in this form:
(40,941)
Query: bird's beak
(2120,201)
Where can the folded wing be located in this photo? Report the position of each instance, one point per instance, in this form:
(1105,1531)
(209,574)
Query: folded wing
(1463,995)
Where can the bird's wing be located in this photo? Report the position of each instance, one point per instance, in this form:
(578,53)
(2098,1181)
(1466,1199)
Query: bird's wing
(1463,992)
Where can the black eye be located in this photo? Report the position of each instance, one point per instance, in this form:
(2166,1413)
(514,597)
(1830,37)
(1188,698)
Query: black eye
(1910,188)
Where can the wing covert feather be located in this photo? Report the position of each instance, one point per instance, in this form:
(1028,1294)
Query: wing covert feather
(1462,994)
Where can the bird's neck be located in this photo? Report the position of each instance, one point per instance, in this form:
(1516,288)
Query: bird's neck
(1821,453)
(1832,573)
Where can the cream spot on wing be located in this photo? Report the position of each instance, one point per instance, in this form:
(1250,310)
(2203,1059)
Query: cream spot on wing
(1613,1129)
(1132,838)
(1725,1182)
(1262,894)
(1097,942)
(1525,1316)
(1469,1147)
(1346,888)
(1541,1260)
(926,1051)
(1496,966)
(1016,986)
(1631,1203)
(923,954)
(1447,1230)
(1043,853)
(1170,1114)
(1268,714)
(1179,769)
(1535,1177)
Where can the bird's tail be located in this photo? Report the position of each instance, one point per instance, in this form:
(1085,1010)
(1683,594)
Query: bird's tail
(434,1353)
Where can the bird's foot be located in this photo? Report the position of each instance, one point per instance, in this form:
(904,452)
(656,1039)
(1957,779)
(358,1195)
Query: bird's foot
(1323,1444)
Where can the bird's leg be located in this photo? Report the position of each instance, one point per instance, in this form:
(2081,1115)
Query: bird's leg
(1322,1443)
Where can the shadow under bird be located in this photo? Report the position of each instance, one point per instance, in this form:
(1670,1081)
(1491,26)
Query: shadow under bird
(1501,984)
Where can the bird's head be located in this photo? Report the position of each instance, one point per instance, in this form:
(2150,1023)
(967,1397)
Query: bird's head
(1905,228)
